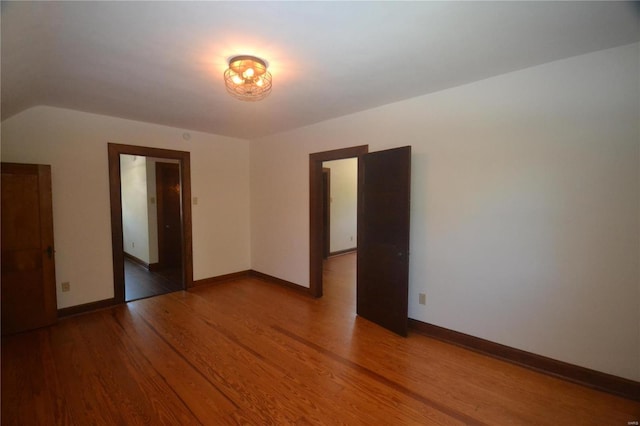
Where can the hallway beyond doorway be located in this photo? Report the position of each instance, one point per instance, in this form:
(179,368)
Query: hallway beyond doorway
(339,276)
(141,283)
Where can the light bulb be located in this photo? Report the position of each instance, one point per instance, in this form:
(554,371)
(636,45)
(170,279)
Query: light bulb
(259,83)
(248,73)
(236,79)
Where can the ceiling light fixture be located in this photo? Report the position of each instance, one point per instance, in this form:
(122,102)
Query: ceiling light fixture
(247,78)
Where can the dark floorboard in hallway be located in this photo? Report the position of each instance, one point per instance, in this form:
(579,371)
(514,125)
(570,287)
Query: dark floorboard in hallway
(141,283)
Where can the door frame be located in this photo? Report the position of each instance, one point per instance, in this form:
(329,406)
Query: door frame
(183,158)
(316,209)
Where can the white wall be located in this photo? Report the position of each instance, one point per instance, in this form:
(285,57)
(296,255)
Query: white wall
(525,205)
(343,222)
(135,215)
(75,144)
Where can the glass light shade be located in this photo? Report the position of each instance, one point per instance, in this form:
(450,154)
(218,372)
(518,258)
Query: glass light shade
(247,78)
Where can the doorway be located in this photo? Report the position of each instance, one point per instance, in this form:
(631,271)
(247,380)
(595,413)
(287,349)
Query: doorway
(382,270)
(317,209)
(152,230)
(340,206)
(339,214)
(166,204)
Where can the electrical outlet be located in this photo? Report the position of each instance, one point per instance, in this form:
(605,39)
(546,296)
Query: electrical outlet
(133,245)
(66,286)
(422,298)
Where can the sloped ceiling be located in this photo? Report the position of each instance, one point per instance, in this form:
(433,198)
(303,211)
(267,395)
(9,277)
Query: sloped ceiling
(162,62)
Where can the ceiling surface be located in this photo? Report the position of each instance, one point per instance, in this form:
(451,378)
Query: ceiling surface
(162,62)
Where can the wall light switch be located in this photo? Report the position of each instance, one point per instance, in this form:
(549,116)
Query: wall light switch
(195,201)
(152,200)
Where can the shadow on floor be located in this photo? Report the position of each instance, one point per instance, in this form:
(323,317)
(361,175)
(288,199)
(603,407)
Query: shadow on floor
(140,282)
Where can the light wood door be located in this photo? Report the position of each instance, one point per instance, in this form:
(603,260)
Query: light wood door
(28,267)
(384,180)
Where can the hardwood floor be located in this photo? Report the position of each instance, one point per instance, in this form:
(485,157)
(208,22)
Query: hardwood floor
(249,352)
(139,282)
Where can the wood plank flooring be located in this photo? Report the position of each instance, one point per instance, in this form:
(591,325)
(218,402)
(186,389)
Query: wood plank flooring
(249,352)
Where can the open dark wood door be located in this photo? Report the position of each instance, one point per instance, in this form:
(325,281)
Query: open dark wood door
(384,178)
(28,268)
(169,215)
(326,212)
